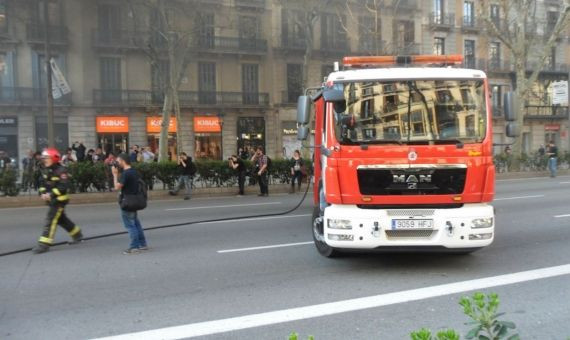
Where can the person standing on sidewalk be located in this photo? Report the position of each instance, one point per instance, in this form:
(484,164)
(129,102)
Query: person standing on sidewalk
(552,154)
(128,183)
(237,165)
(187,172)
(297,166)
(262,162)
(54,183)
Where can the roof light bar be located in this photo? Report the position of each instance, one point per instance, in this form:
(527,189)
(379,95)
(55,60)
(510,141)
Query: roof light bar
(402,60)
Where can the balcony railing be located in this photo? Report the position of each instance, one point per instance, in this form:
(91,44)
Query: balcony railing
(37,34)
(469,62)
(334,44)
(231,44)
(441,20)
(402,6)
(546,112)
(251,4)
(495,65)
(144,98)
(292,44)
(290,97)
(470,23)
(28,96)
(371,46)
(118,38)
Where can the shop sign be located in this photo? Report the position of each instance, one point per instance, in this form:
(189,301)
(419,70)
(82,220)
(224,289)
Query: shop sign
(560,93)
(8,121)
(112,124)
(153,124)
(207,124)
(552,127)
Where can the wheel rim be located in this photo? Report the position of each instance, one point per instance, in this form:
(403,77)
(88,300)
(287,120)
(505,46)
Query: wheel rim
(318,230)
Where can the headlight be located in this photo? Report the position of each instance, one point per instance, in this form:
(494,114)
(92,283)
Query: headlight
(482,223)
(339,224)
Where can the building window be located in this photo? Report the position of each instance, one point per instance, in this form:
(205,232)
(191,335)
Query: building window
(438,11)
(333,35)
(109,23)
(251,133)
(551,59)
(207,83)
(495,55)
(294,82)
(3,17)
(291,34)
(468,14)
(250,83)
(54,12)
(469,53)
(206,31)
(551,20)
(404,36)
(370,35)
(110,79)
(495,14)
(439,46)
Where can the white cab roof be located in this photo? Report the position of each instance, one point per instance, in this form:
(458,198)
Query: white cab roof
(369,74)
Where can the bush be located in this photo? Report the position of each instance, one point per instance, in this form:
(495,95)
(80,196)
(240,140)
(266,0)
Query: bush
(8,182)
(86,175)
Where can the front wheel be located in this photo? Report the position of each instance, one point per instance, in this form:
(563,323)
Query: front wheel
(319,236)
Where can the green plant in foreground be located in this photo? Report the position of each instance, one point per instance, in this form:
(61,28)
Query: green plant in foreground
(295,336)
(425,334)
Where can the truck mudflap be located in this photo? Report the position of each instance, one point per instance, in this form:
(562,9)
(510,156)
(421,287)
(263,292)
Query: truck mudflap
(470,226)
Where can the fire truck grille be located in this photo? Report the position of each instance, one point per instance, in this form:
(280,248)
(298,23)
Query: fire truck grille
(408,213)
(411,181)
(396,234)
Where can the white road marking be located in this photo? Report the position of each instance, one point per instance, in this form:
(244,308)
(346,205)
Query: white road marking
(518,198)
(546,176)
(344,306)
(561,216)
(223,206)
(564,182)
(258,218)
(283,245)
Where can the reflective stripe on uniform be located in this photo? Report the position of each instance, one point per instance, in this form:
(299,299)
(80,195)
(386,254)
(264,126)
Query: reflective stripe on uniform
(56,191)
(42,189)
(74,231)
(62,198)
(53,224)
(46,240)
(55,178)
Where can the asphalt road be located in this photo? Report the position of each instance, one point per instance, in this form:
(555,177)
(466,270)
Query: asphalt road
(267,272)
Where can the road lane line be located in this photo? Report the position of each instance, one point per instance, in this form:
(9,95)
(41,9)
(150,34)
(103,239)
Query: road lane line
(258,218)
(546,176)
(561,216)
(283,245)
(564,182)
(223,206)
(343,306)
(518,197)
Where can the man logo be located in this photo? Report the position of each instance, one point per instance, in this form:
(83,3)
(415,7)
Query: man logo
(411,180)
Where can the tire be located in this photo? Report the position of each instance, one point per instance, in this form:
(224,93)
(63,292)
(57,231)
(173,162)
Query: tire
(318,236)
(463,252)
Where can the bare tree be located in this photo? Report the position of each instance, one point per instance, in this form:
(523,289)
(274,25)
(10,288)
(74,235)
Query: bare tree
(517,30)
(368,27)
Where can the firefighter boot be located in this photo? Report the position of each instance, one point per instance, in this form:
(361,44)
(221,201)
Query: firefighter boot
(77,238)
(40,248)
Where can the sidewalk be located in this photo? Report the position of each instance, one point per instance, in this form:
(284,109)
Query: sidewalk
(31,200)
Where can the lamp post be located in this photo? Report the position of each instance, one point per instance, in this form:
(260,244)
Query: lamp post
(49,93)
(221,122)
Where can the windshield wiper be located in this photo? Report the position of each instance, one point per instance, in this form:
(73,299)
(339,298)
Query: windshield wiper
(364,144)
(459,143)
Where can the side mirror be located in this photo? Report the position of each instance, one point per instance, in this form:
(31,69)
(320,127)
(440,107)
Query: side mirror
(333,95)
(510,106)
(303,110)
(513,130)
(302,132)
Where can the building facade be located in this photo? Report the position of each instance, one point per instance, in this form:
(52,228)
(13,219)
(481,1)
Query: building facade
(244,71)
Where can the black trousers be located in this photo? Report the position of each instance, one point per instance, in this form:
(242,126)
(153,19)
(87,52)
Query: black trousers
(56,216)
(263,183)
(297,175)
(241,182)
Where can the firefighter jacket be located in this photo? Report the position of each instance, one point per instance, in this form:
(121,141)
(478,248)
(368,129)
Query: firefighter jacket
(55,181)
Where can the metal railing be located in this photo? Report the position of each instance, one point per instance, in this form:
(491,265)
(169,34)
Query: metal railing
(495,65)
(292,44)
(29,96)
(546,111)
(441,20)
(252,4)
(37,34)
(369,45)
(187,98)
(470,22)
(118,38)
(232,44)
(334,44)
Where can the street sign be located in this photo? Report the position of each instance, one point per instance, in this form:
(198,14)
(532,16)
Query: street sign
(560,93)
(60,86)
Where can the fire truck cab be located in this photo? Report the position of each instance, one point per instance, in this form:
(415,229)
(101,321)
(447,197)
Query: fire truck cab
(402,156)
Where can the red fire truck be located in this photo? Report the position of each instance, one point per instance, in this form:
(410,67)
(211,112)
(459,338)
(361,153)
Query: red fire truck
(402,155)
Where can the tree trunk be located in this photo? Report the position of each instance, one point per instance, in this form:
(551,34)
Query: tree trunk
(179,129)
(163,140)
(520,93)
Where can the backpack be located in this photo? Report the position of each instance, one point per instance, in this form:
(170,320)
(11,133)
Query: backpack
(135,202)
(268,163)
(193,168)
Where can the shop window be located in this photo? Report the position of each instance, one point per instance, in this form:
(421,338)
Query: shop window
(251,132)
(61,133)
(208,146)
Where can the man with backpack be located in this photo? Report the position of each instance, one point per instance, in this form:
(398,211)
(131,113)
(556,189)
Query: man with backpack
(132,198)
(262,164)
(187,172)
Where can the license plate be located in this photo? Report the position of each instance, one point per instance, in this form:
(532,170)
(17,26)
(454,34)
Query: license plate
(412,224)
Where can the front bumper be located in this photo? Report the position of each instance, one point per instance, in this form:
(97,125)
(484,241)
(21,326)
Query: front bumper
(372,228)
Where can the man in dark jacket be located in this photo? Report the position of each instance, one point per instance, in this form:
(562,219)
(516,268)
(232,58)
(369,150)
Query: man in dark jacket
(187,172)
(238,166)
(79,149)
(53,189)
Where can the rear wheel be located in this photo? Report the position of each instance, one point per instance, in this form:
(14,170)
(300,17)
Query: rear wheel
(319,236)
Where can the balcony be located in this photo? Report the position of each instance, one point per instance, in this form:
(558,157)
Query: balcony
(290,97)
(292,44)
(495,65)
(546,112)
(404,6)
(250,4)
(441,21)
(337,46)
(36,34)
(470,24)
(118,39)
(144,98)
(29,96)
(231,45)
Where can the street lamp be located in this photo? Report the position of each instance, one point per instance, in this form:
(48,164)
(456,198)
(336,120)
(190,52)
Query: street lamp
(221,122)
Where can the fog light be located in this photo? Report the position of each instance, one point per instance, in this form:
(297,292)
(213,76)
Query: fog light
(340,237)
(479,237)
(339,224)
(482,223)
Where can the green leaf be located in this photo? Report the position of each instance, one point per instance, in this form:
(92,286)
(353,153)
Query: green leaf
(496,316)
(474,332)
(516,337)
(293,336)
(422,334)
(311,337)
(482,337)
(448,334)
(508,324)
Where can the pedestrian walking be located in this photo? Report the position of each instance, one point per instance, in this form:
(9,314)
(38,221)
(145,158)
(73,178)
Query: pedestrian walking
(297,168)
(187,172)
(552,154)
(28,170)
(237,164)
(130,185)
(261,162)
(109,161)
(53,189)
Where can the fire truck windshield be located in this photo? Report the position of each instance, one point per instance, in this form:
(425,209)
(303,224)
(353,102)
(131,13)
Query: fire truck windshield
(408,112)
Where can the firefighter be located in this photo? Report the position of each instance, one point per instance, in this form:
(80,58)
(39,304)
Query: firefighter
(53,190)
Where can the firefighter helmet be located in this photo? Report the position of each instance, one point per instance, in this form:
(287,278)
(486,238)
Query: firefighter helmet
(51,153)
